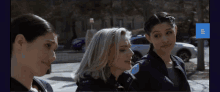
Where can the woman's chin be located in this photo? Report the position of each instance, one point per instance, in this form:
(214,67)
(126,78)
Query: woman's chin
(40,73)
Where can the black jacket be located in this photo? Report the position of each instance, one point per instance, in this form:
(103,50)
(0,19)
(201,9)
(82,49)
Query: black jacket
(90,84)
(43,86)
(151,75)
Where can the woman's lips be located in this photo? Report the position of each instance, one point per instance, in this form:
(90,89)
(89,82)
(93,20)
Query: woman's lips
(128,61)
(166,45)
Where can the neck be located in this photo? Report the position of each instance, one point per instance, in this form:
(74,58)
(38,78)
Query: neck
(164,56)
(116,72)
(21,74)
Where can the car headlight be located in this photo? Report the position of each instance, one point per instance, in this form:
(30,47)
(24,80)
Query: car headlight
(76,41)
(195,49)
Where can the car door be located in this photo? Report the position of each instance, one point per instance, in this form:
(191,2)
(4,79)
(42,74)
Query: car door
(140,45)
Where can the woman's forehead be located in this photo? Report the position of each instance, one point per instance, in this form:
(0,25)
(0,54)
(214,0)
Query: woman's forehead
(50,37)
(124,41)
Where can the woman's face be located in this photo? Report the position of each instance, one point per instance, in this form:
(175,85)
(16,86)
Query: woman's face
(163,38)
(38,55)
(123,62)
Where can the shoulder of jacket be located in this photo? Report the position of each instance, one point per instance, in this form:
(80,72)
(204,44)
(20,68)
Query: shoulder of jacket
(145,60)
(45,84)
(178,59)
(141,65)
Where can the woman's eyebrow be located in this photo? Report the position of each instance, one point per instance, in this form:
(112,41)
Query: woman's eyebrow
(168,28)
(49,40)
(52,41)
(155,31)
(124,46)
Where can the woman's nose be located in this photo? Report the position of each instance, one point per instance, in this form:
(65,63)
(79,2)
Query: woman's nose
(131,53)
(52,57)
(164,38)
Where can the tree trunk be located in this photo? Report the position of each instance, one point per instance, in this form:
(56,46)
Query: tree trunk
(200,61)
(69,41)
(74,30)
(111,19)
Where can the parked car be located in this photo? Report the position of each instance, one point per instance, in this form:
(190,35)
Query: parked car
(194,41)
(60,47)
(140,47)
(78,44)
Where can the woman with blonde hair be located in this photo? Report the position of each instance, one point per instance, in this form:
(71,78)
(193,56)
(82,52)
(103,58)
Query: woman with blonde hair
(108,55)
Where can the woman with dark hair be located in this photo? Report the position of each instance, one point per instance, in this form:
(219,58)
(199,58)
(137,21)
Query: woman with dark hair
(159,70)
(33,44)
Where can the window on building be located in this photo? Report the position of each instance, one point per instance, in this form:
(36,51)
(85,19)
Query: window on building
(119,23)
(129,26)
(104,24)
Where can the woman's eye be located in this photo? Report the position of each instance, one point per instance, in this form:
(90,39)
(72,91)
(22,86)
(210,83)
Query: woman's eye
(170,32)
(156,36)
(121,50)
(48,45)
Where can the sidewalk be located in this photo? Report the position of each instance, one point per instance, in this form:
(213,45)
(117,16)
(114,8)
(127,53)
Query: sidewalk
(198,80)
(68,57)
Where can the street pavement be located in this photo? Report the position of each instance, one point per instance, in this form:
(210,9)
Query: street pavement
(61,78)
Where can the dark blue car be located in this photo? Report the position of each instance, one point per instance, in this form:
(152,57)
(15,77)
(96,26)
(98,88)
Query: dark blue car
(79,44)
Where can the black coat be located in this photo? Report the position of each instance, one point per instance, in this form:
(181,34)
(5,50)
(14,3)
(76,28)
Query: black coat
(43,86)
(90,84)
(151,75)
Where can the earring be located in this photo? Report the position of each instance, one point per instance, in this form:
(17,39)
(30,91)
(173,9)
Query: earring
(23,56)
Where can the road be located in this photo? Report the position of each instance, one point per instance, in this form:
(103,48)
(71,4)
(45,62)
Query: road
(62,81)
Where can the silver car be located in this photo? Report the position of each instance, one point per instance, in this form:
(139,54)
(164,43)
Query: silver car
(140,47)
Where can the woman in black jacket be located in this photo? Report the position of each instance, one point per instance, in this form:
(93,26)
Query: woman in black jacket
(33,43)
(159,70)
(108,55)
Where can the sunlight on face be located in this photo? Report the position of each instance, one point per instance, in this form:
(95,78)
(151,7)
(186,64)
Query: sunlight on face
(41,53)
(123,61)
(163,37)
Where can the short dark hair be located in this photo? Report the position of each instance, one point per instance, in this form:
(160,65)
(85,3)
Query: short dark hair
(158,18)
(30,26)
(161,17)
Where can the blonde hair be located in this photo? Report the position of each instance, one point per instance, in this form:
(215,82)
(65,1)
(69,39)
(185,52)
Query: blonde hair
(95,60)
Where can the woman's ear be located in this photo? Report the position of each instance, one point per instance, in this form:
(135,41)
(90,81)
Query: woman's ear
(19,41)
(148,37)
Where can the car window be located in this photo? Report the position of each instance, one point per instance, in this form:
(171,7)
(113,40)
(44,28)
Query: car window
(140,41)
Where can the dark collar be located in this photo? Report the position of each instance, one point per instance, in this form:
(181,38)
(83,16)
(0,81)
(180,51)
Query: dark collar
(177,65)
(111,80)
(159,64)
(16,85)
